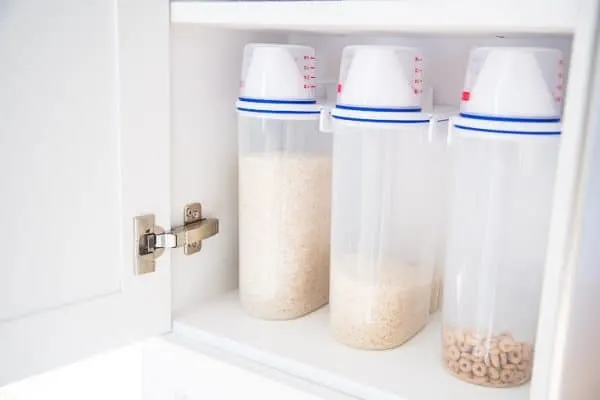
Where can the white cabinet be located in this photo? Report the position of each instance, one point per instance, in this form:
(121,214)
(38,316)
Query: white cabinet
(182,370)
(84,142)
(111,110)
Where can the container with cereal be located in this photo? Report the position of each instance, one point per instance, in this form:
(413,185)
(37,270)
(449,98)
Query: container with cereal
(504,158)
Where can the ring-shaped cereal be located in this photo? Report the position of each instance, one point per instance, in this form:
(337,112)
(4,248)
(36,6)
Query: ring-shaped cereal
(493,373)
(453,353)
(495,360)
(479,369)
(515,357)
(506,344)
(453,366)
(506,376)
(479,351)
(523,366)
(465,365)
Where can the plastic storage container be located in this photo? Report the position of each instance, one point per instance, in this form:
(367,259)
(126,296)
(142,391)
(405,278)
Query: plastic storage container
(383,231)
(504,147)
(284,185)
(439,164)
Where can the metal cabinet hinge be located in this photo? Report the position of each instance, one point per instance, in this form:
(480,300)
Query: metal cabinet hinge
(151,240)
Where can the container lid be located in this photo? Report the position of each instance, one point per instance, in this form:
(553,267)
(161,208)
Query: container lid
(514,82)
(380,84)
(278,81)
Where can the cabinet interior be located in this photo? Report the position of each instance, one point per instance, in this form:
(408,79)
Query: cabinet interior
(205,69)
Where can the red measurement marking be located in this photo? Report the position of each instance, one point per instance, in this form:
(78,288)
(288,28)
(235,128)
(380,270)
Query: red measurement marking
(309,86)
(339,88)
(465,96)
(306,57)
(560,62)
(307,67)
(418,70)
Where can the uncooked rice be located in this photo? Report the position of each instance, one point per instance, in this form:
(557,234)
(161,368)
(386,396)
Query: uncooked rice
(284,213)
(378,314)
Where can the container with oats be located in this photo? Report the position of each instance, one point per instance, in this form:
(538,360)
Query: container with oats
(504,152)
(284,185)
(383,229)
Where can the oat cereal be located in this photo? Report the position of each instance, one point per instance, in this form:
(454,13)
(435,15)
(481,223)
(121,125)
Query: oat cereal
(497,361)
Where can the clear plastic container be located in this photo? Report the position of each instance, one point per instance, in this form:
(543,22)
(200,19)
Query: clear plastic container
(503,179)
(284,216)
(496,253)
(439,164)
(284,186)
(383,233)
(383,243)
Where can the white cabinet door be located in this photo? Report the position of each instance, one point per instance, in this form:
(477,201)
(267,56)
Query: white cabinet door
(84,147)
(567,353)
(576,357)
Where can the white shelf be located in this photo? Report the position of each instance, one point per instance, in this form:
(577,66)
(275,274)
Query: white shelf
(304,348)
(419,16)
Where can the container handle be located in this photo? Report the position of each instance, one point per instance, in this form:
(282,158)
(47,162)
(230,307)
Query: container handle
(325,120)
(432,124)
(450,130)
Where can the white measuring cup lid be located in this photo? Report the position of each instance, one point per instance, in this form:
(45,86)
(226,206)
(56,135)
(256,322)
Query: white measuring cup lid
(513,82)
(377,77)
(376,86)
(274,82)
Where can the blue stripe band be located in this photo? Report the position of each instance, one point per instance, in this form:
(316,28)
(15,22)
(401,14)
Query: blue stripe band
(265,101)
(508,119)
(383,121)
(277,111)
(374,109)
(468,128)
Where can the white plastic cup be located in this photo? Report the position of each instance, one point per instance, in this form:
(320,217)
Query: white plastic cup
(381,76)
(514,82)
(276,71)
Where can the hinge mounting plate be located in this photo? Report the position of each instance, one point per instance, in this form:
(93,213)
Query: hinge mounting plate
(151,240)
